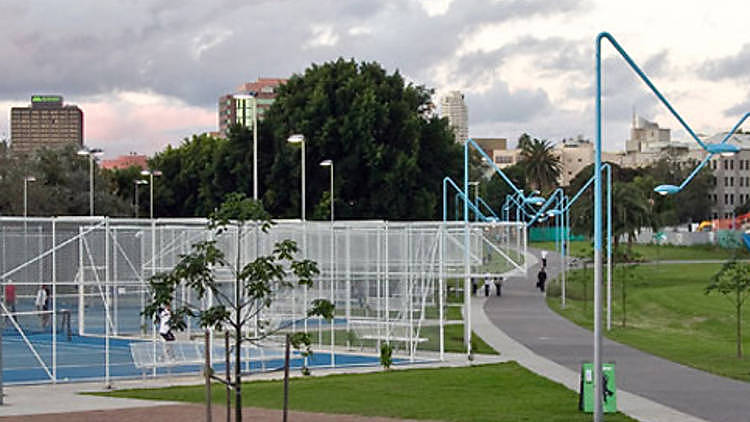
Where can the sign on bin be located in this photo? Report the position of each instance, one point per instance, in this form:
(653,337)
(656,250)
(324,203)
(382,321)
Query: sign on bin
(586,391)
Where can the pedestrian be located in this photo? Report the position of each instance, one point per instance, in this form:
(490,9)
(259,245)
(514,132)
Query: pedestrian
(487,285)
(474,286)
(541,279)
(544,259)
(165,326)
(499,285)
(10,297)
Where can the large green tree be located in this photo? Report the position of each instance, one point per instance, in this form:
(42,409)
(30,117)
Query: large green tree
(540,163)
(389,149)
(61,185)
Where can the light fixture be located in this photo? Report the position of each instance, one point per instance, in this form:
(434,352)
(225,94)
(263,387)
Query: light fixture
(296,139)
(666,189)
(726,150)
(326,163)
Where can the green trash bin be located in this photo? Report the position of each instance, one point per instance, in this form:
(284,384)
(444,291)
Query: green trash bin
(586,391)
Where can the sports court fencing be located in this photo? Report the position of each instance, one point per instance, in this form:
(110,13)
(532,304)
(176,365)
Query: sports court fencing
(388,282)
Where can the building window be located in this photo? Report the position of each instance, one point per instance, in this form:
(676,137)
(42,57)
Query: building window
(731,199)
(726,181)
(731,164)
(726,165)
(741,162)
(731,181)
(716,199)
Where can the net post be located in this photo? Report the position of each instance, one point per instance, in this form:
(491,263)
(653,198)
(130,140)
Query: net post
(54,301)
(107,321)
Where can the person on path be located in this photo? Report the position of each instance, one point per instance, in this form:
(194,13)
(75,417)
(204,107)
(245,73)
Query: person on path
(541,279)
(544,259)
(487,286)
(499,285)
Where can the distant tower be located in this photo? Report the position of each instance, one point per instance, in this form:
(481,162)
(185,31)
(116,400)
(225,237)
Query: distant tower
(453,107)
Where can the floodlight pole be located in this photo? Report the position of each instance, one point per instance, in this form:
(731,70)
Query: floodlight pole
(255,147)
(598,414)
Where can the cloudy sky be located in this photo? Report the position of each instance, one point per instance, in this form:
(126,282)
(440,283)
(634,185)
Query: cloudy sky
(148,73)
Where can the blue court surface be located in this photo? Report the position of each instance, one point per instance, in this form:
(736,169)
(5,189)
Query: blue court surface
(83,358)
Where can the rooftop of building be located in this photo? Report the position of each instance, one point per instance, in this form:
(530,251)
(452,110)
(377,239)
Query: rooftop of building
(126,161)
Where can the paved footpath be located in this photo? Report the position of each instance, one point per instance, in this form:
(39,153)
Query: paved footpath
(554,344)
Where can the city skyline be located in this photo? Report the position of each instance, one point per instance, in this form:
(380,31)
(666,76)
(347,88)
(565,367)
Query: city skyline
(138,69)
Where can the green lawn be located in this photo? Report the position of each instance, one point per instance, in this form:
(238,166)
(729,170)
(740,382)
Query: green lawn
(454,342)
(667,314)
(653,252)
(493,393)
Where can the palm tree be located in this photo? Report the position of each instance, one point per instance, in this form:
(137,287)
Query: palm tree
(541,164)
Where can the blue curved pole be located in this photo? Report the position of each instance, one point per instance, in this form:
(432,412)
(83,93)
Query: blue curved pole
(598,228)
(448,180)
(482,202)
(670,189)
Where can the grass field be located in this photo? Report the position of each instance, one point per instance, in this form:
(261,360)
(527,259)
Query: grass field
(654,252)
(667,314)
(485,393)
(454,340)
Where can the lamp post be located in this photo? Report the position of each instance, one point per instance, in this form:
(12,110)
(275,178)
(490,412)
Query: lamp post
(151,174)
(136,183)
(329,163)
(300,139)
(91,154)
(26,181)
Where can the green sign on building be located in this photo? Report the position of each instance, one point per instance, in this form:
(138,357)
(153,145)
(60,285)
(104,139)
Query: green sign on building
(46,99)
(586,392)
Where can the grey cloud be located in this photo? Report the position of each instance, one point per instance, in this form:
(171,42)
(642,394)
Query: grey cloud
(499,104)
(150,46)
(730,67)
(738,109)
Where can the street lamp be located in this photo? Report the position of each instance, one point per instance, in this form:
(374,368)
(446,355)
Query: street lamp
(26,181)
(329,163)
(138,182)
(300,139)
(91,153)
(151,174)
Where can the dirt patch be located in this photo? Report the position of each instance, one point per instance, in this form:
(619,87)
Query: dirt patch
(187,413)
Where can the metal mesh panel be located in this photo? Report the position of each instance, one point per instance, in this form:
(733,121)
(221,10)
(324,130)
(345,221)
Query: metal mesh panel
(384,278)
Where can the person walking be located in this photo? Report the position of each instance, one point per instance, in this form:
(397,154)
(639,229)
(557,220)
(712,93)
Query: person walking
(544,258)
(487,286)
(499,286)
(541,278)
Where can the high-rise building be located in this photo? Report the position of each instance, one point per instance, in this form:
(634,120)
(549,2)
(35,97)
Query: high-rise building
(237,108)
(45,123)
(453,107)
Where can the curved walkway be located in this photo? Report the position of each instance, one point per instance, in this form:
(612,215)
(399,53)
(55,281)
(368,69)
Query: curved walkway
(526,330)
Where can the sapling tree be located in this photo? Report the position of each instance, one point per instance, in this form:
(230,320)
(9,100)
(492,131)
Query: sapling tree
(255,283)
(733,282)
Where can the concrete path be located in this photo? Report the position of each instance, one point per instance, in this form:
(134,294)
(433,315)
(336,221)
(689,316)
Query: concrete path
(544,340)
